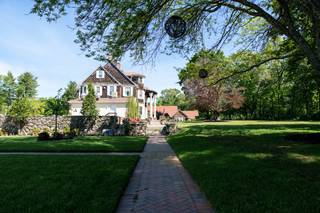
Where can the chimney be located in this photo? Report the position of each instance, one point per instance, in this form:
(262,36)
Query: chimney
(118,65)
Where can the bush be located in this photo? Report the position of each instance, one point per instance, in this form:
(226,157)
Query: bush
(35,131)
(2,132)
(47,130)
(66,130)
(71,134)
(58,136)
(43,136)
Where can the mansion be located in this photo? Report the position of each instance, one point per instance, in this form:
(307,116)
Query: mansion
(113,87)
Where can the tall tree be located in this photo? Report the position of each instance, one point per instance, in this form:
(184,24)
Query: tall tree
(216,98)
(137,25)
(173,97)
(20,110)
(71,92)
(89,104)
(27,85)
(8,88)
(56,106)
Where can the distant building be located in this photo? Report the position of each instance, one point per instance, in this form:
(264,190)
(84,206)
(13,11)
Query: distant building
(178,115)
(113,87)
(186,115)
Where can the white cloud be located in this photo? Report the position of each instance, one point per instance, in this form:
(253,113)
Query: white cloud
(15,69)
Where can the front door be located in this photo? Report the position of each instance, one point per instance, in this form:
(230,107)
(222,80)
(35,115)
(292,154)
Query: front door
(104,92)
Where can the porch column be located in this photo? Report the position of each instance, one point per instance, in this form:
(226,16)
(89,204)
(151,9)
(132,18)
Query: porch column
(145,104)
(155,106)
(151,103)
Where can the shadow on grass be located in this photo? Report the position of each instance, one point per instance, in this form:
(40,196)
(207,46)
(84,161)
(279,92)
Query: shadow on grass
(83,144)
(252,168)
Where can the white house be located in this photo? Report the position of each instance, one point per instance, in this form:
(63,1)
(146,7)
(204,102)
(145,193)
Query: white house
(113,88)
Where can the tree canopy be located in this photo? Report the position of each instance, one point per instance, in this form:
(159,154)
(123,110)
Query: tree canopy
(138,25)
(173,97)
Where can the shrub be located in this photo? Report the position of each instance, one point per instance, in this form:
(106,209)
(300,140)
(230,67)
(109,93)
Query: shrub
(35,131)
(57,136)
(66,130)
(47,130)
(43,136)
(2,132)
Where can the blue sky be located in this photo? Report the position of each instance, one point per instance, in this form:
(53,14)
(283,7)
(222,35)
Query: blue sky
(28,43)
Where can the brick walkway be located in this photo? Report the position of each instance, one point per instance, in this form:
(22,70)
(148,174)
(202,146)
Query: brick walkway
(160,184)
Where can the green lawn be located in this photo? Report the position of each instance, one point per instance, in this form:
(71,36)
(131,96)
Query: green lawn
(81,144)
(248,166)
(63,183)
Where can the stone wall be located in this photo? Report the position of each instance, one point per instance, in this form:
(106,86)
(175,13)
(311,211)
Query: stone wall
(138,129)
(35,124)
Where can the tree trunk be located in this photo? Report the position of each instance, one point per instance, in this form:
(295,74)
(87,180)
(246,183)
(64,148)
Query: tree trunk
(56,124)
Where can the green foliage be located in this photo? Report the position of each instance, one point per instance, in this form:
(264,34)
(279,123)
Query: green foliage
(207,95)
(36,131)
(275,90)
(20,110)
(56,106)
(173,97)
(89,103)
(7,91)
(71,92)
(27,85)
(132,108)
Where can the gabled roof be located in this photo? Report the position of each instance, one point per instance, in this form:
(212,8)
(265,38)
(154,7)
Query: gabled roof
(191,114)
(171,110)
(117,74)
(107,78)
(113,75)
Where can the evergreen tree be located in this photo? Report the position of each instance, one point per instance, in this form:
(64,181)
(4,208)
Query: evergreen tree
(89,103)
(71,92)
(8,88)
(133,108)
(27,85)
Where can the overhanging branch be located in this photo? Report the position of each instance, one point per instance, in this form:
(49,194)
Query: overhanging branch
(256,66)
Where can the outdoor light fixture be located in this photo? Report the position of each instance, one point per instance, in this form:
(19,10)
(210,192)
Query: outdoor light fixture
(175,26)
(203,73)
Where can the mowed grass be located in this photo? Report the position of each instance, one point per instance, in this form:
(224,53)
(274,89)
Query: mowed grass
(249,166)
(63,183)
(78,144)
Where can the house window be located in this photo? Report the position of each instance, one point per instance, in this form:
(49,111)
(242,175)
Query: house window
(98,90)
(84,90)
(112,91)
(140,94)
(127,91)
(100,74)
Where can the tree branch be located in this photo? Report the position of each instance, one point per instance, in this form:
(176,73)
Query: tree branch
(256,66)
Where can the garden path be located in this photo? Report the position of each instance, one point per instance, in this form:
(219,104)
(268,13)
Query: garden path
(161,184)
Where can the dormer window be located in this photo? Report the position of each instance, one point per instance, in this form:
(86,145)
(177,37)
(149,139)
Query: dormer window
(100,74)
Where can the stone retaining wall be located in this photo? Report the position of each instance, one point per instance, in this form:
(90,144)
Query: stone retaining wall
(34,125)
